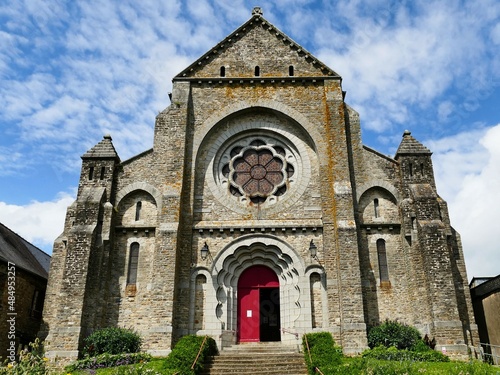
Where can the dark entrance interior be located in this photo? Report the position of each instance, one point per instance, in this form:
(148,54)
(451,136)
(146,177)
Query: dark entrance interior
(270,314)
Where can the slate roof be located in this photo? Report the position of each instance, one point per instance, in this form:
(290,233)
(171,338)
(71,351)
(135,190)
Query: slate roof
(410,146)
(15,249)
(483,286)
(104,149)
(256,20)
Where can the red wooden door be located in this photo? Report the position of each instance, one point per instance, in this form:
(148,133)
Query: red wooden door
(249,284)
(249,318)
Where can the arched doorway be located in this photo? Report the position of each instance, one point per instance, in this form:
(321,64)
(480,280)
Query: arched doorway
(258,305)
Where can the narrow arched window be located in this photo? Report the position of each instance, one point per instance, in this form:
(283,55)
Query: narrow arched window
(222,71)
(290,70)
(103,171)
(382,260)
(138,207)
(133,263)
(411,169)
(257,71)
(91,173)
(376,208)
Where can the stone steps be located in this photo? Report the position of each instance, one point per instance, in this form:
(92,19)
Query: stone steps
(257,358)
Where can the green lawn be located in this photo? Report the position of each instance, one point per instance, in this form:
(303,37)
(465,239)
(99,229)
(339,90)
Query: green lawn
(358,365)
(153,367)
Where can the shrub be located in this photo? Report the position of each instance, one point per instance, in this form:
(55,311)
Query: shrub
(420,346)
(325,355)
(393,354)
(391,333)
(112,340)
(185,351)
(108,360)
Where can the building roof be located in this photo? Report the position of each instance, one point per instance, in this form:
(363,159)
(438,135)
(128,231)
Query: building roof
(410,146)
(232,45)
(104,149)
(482,286)
(15,249)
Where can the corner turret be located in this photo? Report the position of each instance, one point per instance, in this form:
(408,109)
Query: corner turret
(415,161)
(98,166)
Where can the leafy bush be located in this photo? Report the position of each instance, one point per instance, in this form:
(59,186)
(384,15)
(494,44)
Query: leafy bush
(185,351)
(392,333)
(325,355)
(108,360)
(420,346)
(112,340)
(393,354)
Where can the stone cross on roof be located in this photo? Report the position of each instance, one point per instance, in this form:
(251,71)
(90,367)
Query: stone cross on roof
(257,11)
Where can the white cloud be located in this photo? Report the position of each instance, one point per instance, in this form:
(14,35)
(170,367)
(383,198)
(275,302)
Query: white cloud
(10,160)
(397,60)
(71,72)
(495,34)
(468,177)
(37,222)
(445,109)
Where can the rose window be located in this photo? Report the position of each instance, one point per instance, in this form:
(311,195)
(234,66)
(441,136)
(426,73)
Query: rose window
(257,171)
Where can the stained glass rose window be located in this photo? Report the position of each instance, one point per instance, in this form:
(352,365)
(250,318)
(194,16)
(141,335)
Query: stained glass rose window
(257,171)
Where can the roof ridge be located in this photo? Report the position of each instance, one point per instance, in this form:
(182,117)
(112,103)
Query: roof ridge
(24,239)
(19,243)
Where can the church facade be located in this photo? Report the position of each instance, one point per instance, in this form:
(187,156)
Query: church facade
(257,215)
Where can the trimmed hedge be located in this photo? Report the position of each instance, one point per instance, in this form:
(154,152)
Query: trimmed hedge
(184,353)
(112,340)
(325,355)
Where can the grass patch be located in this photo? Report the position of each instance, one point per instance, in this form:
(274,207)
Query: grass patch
(154,367)
(360,365)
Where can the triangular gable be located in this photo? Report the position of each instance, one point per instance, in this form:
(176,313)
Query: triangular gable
(257,43)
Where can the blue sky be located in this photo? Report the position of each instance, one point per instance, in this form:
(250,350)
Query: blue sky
(71,72)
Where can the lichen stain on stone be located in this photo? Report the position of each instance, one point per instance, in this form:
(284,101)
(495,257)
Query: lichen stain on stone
(331,206)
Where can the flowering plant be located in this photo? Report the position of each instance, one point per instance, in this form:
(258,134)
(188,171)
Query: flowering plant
(30,362)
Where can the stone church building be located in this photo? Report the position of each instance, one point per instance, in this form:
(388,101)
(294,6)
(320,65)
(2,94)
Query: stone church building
(257,215)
